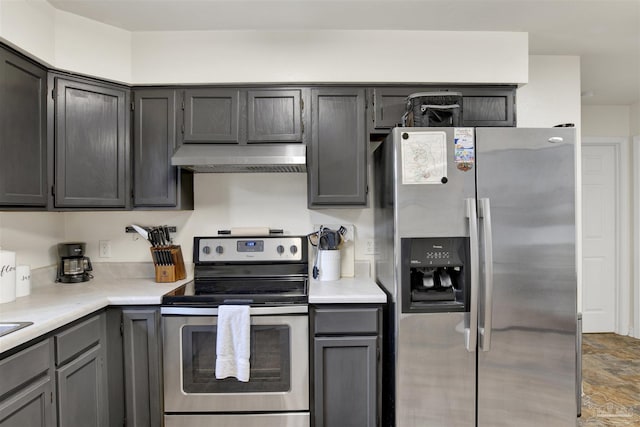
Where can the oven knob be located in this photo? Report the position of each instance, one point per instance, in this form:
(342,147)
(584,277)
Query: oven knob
(219,249)
(280,249)
(293,249)
(206,250)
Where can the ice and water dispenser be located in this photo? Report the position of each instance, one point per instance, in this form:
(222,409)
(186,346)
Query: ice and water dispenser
(435,275)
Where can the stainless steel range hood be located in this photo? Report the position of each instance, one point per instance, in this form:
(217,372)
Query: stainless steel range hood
(212,158)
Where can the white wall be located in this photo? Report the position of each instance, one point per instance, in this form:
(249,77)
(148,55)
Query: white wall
(634,119)
(75,43)
(329,56)
(552,95)
(89,47)
(29,26)
(606,120)
(32,235)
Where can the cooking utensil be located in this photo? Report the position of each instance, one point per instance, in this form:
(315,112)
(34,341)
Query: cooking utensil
(141,231)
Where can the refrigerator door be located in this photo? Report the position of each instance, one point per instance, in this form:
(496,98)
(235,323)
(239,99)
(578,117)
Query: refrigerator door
(435,374)
(526,179)
(435,371)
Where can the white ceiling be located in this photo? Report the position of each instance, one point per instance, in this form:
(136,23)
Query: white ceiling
(604,33)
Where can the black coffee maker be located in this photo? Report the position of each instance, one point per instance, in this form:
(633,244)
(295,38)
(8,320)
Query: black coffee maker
(73,266)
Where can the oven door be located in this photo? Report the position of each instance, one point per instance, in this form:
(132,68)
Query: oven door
(279,374)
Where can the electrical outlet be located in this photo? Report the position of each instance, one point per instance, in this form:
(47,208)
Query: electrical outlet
(104,249)
(370,248)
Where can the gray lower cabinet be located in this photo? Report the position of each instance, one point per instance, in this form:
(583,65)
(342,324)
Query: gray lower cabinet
(142,367)
(157,184)
(336,157)
(104,370)
(80,387)
(23,132)
(91,144)
(346,366)
(26,393)
(80,374)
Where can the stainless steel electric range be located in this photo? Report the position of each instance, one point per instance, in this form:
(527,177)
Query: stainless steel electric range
(269,273)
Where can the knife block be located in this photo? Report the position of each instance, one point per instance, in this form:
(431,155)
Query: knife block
(168,263)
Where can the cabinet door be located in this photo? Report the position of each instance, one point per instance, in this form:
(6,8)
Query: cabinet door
(337,171)
(155,182)
(81,394)
(91,145)
(23,133)
(142,368)
(390,103)
(211,115)
(30,407)
(274,115)
(346,384)
(488,107)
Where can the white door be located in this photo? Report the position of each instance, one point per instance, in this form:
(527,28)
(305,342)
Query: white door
(599,230)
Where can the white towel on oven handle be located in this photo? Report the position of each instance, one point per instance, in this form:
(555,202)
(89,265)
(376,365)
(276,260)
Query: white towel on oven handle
(233,342)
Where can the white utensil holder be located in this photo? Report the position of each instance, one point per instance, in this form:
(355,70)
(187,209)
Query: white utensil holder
(329,264)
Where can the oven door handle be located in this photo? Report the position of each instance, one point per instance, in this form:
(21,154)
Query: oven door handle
(253,311)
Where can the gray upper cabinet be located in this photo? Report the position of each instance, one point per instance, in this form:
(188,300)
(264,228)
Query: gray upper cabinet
(155,182)
(23,132)
(389,104)
(211,115)
(488,107)
(91,145)
(274,115)
(336,158)
(482,106)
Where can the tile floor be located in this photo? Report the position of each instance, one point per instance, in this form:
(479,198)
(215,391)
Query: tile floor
(610,381)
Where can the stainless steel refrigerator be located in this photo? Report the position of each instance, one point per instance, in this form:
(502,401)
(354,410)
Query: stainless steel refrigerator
(475,237)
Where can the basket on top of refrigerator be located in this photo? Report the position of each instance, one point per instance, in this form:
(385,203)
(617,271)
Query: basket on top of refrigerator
(433,109)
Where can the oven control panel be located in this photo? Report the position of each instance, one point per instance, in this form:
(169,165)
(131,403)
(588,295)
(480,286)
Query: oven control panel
(264,248)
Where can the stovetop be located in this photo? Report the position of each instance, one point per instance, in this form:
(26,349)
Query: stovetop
(255,270)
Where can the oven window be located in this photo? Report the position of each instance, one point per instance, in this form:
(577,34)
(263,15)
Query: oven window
(270,361)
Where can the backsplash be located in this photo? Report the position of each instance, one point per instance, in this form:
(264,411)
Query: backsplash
(221,201)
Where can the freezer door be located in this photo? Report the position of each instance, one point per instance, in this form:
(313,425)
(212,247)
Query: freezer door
(435,375)
(431,202)
(526,185)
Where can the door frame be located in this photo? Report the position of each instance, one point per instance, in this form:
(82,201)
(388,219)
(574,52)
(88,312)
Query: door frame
(636,237)
(623,228)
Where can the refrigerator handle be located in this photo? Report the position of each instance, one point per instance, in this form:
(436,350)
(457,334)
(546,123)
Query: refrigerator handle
(487,248)
(471,330)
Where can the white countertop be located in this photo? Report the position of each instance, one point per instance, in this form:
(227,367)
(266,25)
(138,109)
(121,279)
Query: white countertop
(52,305)
(358,290)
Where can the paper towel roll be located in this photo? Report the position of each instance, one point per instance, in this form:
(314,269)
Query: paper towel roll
(7,276)
(23,281)
(250,231)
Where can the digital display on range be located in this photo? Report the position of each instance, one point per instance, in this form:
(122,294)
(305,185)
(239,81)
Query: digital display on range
(250,245)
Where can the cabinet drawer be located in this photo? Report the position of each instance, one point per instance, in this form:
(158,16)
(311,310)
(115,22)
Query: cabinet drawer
(24,366)
(76,339)
(346,321)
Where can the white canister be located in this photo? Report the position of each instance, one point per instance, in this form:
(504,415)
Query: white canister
(7,276)
(23,281)
(329,264)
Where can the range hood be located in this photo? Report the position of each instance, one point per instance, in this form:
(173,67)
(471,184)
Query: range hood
(213,158)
